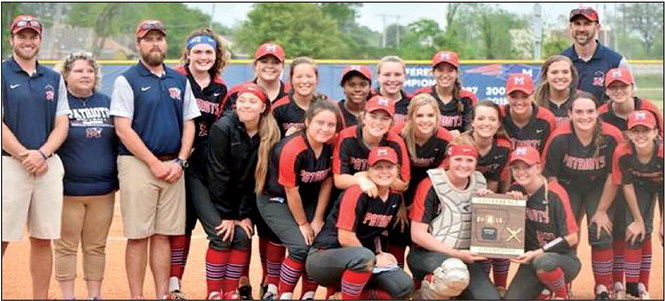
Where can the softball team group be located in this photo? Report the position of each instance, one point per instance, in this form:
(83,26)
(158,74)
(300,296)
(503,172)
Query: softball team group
(337,191)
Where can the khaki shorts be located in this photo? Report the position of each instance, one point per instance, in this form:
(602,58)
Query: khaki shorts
(149,206)
(36,201)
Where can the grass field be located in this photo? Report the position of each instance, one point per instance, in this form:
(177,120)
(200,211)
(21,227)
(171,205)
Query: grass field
(650,86)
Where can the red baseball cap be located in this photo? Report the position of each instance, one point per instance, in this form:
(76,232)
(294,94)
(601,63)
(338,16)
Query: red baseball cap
(364,71)
(585,11)
(382,153)
(641,117)
(379,102)
(445,57)
(519,82)
(147,25)
(22,22)
(272,49)
(619,74)
(526,154)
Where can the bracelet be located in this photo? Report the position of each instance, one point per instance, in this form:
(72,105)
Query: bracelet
(43,155)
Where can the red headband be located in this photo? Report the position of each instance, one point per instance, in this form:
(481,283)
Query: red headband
(255,90)
(462,150)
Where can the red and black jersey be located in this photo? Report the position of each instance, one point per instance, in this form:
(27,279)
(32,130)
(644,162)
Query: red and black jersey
(348,118)
(426,205)
(356,212)
(401,106)
(561,111)
(429,155)
(288,114)
(494,164)
(351,154)
(536,131)
(456,114)
(575,164)
(208,100)
(627,169)
(543,226)
(608,115)
(230,100)
(294,164)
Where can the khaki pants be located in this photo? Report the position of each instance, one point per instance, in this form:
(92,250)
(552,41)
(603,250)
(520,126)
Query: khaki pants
(86,219)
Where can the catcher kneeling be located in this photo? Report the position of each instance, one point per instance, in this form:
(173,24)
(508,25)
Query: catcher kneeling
(441,230)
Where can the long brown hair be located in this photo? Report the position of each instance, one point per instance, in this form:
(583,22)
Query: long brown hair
(320,106)
(542,95)
(457,89)
(270,135)
(409,130)
(221,54)
(500,132)
(598,139)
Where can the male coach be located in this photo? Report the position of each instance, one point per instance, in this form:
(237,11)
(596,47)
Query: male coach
(154,110)
(591,58)
(34,125)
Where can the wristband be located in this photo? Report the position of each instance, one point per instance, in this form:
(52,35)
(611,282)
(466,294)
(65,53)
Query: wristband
(43,155)
(559,245)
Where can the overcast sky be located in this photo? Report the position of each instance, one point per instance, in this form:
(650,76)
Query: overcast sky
(230,14)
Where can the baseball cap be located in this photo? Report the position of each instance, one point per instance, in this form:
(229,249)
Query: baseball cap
(519,82)
(462,150)
(26,22)
(147,25)
(272,49)
(585,11)
(382,153)
(526,154)
(445,57)
(380,103)
(618,74)
(643,118)
(364,71)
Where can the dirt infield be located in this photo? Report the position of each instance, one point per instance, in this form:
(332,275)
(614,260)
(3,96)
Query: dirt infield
(16,275)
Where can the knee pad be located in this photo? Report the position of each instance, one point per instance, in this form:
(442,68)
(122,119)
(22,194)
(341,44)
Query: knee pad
(448,280)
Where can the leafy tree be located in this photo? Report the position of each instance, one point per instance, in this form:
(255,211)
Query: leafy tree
(344,13)
(646,19)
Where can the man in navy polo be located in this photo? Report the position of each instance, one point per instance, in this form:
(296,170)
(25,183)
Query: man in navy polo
(591,58)
(34,125)
(154,110)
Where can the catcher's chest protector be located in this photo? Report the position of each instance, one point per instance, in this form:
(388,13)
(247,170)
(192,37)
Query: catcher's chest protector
(453,225)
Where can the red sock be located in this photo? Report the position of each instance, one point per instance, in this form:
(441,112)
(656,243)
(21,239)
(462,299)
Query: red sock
(619,247)
(645,267)
(238,260)
(500,268)
(179,252)
(398,252)
(555,281)
(376,294)
(601,264)
(274,257)
(353,283)
(263,245)
(288,278)
(216,268)
(308,284)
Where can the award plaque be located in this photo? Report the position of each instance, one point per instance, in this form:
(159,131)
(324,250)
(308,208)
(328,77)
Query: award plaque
(497,226)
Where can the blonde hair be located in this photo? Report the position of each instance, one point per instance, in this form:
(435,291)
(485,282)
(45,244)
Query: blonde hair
(65,66)
(270,135)
(389,59)
(409,131)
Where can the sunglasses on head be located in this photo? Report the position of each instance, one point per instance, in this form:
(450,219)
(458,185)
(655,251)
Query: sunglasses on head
(152,25)
(27,23)
(582,11)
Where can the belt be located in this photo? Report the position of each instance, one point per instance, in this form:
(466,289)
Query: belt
(167,157)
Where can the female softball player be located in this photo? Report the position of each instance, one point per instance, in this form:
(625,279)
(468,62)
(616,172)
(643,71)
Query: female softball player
(638,168)
(345,254)
(357,85)
(558,85)
(227,213)
(494,148)
(440,258)
(579,156)
(525,123)
(268,67)
(203,59)
(290,110)
(455,103)
(391,72)
(550,232)
(297,191)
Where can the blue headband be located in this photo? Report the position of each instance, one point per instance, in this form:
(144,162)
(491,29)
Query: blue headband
(193,41)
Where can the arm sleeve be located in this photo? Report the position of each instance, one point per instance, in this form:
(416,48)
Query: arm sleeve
(341,158)
(351,209)
(289,165)
(63,103)
(425,200)
(190,109)
(122,98)
(219,174)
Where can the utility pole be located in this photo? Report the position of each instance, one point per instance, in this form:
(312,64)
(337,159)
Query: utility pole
(537,27)
(383,37)
(397,28)
(212,13)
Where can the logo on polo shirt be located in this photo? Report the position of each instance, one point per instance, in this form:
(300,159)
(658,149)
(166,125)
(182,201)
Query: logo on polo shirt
(599,78)
(175,93)
(93,133)
(50,92)
(14,86)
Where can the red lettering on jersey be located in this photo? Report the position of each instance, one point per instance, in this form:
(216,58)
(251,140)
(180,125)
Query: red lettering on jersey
(206,106)
(377,220)
(423,162)
(544,237)
(538,216)
(451,121)
(359,163)
(313,177)
(524,143)
(584,163)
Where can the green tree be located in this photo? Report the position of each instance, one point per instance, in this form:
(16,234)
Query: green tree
(9,11)
(301,28)
(345,14)
(645,19)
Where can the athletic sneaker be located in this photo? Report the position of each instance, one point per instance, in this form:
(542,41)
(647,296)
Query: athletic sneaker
(244,289)
(618,291)
(644,294)
(269,296)
(175,295)
(603,296)
(214,296)
(231,295)
(545,294)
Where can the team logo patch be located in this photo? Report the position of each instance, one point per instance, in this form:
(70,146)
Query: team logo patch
(518,80)
(49,92)
(599,79)
(175,93)
(93,132)
(383,102)
(271,48)
(640,115)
